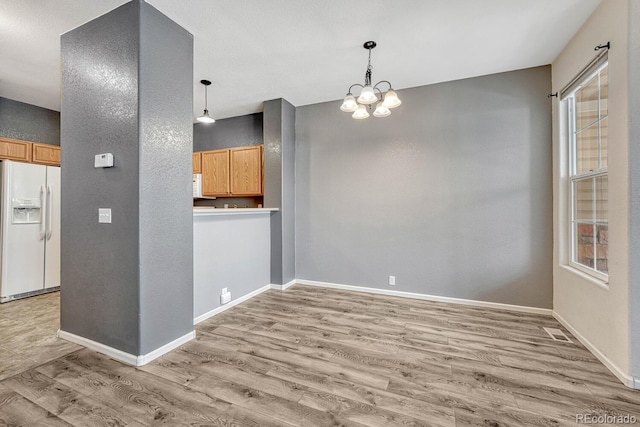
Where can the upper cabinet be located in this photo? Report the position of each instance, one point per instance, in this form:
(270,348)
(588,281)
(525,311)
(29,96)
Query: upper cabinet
(45,154)
(231,172)
(31,152)
(215,173)
(197,162)
(13,149)
(246,171)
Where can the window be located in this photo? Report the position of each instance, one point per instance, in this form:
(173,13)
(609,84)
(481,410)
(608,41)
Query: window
(588,139)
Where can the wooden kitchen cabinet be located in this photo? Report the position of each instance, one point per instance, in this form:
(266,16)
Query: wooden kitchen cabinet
(246,170)
(197,162)
(215,173)
(45,154)
(13,149)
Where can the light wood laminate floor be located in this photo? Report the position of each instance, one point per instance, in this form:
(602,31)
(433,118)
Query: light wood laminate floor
(322,357)
(28,334)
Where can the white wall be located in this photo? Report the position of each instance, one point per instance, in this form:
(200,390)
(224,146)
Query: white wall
(229,251)
(599,314)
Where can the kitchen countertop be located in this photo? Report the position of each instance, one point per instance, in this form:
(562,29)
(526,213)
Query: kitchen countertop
(202,211)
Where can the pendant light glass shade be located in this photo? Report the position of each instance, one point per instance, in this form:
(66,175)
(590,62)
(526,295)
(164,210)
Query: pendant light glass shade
(349,104)
(367,96)
(381,111)
(360,113)
(206,118)
(391,99)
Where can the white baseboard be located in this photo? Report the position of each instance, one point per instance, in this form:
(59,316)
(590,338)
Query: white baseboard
(627,380)
(475,303)
(283,287)
(146,358)
(233,303)
(122,356)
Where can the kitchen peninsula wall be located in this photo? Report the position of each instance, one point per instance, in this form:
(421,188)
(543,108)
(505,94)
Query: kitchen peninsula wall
(232,132)
(28,122)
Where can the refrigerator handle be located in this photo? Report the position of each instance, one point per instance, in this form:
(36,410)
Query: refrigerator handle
(49,209)
(43,215)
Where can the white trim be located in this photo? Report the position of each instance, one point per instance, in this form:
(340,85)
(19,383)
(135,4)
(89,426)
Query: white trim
(588,277)
(122,356)
(233,303)
(627,380)
(283,287)
(208,211)
(114,353)
(475,303)
(143,359)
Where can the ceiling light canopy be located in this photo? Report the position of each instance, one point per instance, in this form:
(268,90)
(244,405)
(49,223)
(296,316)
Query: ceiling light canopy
(205,117)
(368,95)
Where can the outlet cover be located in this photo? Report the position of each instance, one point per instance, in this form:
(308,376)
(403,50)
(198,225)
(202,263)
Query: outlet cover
(225,298)
(392,280)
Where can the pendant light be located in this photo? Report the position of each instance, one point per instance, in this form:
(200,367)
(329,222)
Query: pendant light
(368,95)
(205,117)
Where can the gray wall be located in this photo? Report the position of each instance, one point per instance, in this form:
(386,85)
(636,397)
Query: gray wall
(224,247)
(228,133)
(279,186)
(28,122)
(288,208)
(127,284)
(166,189)
(634,185)
(451,193)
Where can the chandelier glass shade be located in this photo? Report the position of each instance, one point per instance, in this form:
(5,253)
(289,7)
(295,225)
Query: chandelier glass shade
(370,94)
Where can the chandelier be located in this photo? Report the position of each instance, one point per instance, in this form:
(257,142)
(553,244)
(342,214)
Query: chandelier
(368,95)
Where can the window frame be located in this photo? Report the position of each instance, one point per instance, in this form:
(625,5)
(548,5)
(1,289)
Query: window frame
(591,175)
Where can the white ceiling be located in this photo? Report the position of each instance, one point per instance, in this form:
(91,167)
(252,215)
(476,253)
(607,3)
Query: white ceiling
(305,51)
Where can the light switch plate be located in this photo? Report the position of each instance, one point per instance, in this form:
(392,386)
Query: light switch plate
(104,215)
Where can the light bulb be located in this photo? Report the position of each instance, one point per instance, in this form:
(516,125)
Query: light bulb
(349,104)
(367,96)
(381,111)
(391,99)
(360,113)
(206,118)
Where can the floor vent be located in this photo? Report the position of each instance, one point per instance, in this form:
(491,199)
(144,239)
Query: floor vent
(557,334)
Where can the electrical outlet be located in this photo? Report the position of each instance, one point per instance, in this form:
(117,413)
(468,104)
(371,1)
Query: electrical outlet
(392,280)
(224,290)
(225,298)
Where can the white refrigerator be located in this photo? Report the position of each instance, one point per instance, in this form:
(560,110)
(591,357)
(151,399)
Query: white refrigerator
(29,229)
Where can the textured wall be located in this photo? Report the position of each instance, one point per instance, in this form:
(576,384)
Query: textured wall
(288,208)
(272,124)
(451,193)
(99,114)
(127,284)
(227,133)
(166,147)
(28,122)
(279,186)
(230,251)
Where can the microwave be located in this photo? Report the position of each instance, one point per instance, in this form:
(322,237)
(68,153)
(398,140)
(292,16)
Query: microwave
(197,185)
